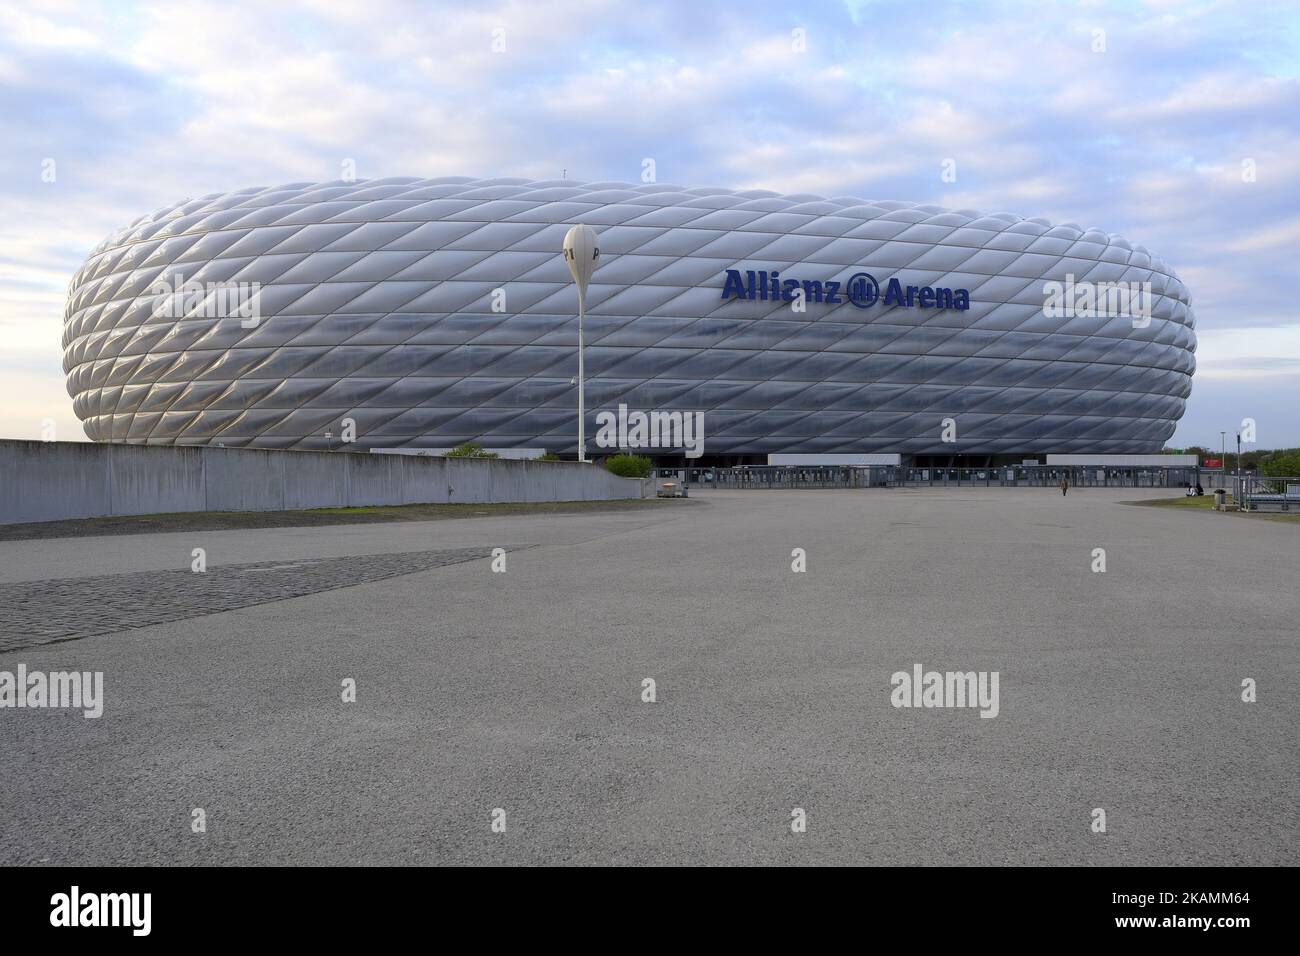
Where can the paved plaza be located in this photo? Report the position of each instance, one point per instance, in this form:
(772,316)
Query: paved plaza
(522,690)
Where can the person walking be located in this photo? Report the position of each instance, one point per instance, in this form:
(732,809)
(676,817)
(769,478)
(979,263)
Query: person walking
(1065,486)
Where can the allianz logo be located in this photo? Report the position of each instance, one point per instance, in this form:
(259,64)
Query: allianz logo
(861,290)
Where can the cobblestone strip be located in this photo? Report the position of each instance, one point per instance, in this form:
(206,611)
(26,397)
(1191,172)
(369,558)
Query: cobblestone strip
(62,609)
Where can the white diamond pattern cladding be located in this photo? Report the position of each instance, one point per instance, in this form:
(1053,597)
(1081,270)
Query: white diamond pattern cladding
(377,297)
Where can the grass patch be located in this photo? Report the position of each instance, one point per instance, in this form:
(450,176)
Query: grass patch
(1206,503)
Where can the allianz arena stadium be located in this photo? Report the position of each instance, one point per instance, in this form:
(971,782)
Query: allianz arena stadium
(434,312)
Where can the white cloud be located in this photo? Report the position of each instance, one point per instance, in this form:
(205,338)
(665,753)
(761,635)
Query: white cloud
(145,105)
(1249,352)
(26,29)
(1283,234)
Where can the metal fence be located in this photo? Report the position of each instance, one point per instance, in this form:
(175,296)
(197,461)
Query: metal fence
(781,476)
(757,477)
(1042,476)
(1254,493)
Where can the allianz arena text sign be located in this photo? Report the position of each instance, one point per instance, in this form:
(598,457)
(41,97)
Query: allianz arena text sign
(862,290)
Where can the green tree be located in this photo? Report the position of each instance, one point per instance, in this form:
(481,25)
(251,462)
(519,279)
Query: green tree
(471,450)
(1285,462)
(629,466)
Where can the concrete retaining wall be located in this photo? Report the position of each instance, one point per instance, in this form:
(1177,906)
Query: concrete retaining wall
(50,481)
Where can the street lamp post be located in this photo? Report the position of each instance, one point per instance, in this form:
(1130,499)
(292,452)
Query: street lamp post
(581,253)
(1223,459)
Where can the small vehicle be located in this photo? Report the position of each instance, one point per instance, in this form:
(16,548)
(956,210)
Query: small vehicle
(671,484)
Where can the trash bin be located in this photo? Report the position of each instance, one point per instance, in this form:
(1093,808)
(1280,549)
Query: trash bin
(1219,497)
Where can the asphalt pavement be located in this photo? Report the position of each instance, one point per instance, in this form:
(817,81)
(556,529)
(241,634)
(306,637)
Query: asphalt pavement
(519,697)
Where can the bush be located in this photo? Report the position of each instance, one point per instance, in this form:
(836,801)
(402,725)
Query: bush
(471,450)
(550,456)
(629,466)
(1284,463)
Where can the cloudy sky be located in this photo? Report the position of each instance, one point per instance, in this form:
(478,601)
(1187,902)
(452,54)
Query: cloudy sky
(1174,124)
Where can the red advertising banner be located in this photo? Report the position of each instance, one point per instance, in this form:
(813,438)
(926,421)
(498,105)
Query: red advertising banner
(1213,463)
